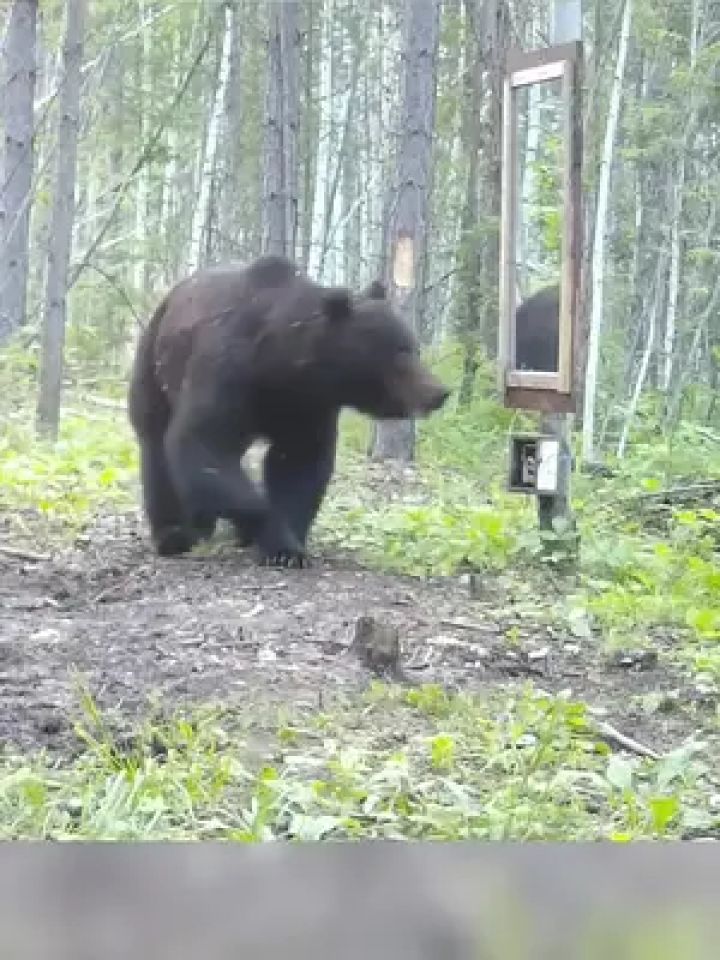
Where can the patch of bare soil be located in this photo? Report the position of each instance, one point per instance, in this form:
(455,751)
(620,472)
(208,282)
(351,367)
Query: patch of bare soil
(221,629)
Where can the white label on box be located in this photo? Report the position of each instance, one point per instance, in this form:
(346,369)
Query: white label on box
(547,466)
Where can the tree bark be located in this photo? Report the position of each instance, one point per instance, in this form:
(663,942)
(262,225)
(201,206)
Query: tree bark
(63,213)
(648,348)
(280,202)
(16,173)
(469,268)
(230,204)
(598,260)
(407,235)
(668,356)
(201,216)
(142,190)
(321,187)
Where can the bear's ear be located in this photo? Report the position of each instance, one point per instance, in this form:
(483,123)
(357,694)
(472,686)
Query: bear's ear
(376,291)
(337,303)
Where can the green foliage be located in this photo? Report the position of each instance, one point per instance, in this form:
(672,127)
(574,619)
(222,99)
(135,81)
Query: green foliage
(433,538)
(638,584)
(92,466)
(529,768)
(472,438)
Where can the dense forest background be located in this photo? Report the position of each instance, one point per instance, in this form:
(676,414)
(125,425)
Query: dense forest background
(159,137)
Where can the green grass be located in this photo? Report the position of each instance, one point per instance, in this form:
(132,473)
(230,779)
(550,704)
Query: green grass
(522,766)
(53,490)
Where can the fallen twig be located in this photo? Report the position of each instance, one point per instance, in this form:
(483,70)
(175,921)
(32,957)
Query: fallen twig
(469,625)
(678,493)
(615,738)
(16,554)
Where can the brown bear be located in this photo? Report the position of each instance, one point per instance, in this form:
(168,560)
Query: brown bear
(236,354)
(537,331)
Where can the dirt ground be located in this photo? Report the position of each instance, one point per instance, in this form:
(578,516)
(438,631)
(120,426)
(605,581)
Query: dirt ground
(221,629)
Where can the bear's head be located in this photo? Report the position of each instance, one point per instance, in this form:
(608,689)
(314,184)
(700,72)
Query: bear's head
(376,357)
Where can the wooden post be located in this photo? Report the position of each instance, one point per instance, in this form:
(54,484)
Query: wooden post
(567,26)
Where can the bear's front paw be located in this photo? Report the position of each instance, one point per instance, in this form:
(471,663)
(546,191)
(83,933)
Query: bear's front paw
(278,547)
(244,536)
(204,527)
(173,541)
(284,558)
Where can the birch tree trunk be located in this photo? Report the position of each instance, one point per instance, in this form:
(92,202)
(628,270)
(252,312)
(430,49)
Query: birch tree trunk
(308,142)
(201,215)
(280,203)
(63,213)
(383,42)
(321,188)
(674,279)
(678,197)
(169,187)
(645,361)
(598,257)
(333,228)
(16,172)
(230,228)
(493,40)
(468,274)
(407,235)
(140,273)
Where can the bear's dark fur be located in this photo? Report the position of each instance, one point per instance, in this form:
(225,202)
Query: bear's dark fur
(236,354)
(537,331)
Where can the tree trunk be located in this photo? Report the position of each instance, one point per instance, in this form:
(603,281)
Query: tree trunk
(598,259)
(230,204)
(16,174)
(142,190)
(201,216)
(168,205)
(388,118)
(333,227)
(382,45)
(469,278)
(63,213)
(494,36)
(321,188)
(668,357)
(308,139)
(281,117)
(407,235)
(646,356)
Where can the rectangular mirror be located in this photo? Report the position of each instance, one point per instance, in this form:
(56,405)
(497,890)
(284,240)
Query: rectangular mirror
(540,228)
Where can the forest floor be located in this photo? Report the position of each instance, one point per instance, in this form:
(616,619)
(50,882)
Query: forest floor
(216,627)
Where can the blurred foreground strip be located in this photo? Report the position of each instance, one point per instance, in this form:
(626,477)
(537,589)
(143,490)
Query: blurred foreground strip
(376,901)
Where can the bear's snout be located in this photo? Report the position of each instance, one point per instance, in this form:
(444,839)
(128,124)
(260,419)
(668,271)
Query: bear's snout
(438,398)
(427,394)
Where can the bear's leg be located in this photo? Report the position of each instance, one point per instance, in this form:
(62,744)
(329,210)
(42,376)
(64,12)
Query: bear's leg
(204,527)
(213,483)
(163,508)
(243,535)
(297,472)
